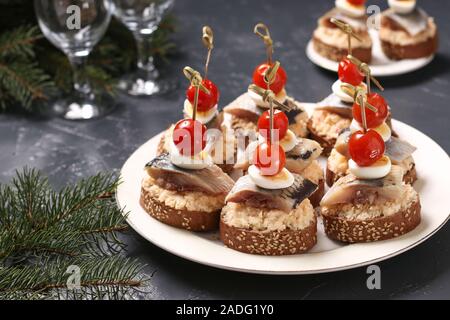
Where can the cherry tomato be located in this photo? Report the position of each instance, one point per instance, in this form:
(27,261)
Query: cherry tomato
(366,148)
(374,119)
(269,158)
(277,85)
(189,136)
(348,72)
(280,123)
(357,2)
(205,101)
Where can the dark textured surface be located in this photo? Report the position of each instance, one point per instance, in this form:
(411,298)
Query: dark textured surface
(67,151)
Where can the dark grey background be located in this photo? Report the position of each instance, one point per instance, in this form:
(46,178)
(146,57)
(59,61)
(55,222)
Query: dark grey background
(67,151)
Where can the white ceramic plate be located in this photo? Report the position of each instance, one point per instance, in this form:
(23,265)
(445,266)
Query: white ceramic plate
(433,166)
(381,65)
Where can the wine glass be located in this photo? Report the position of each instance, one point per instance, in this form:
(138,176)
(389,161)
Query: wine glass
(75,27)
(142,18)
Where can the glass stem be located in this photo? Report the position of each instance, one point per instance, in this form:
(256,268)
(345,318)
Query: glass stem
(80,81)
(145,61)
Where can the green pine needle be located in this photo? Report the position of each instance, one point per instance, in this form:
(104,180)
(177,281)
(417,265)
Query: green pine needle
(21,79)
(19,42)
(24,81)
(43,231)
(111,277)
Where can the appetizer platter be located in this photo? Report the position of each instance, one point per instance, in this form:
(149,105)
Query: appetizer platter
(402,39)
(244,188)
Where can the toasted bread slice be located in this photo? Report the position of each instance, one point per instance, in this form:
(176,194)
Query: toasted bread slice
(340,227)
(413,51)
(272,243)
(337,54)
(193,220)
(331,43)
(274,233)
(421,45)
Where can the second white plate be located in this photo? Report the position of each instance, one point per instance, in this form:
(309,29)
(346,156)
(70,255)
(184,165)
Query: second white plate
(381,65)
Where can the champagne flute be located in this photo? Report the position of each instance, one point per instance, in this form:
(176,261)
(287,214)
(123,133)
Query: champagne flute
(142,18)
(75,27)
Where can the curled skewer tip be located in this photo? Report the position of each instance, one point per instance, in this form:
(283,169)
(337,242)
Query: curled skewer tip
(208,37)
(263,31)
(208,42)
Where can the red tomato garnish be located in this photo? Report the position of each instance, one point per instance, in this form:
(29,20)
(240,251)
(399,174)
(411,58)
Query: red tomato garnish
(366,148)
(357,2)
(280,123)
(374,119)
(277,85)
(269,158)
(348,72)
(205,101)
(189,136)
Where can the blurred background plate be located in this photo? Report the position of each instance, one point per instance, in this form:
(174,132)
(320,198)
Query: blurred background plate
(381,65)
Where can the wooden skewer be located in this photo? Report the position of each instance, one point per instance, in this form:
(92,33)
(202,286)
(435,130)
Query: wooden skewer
(194,109)
(208,41)
(267,94)
(346,28)
(355,93)
(264,94)
(263,31)
(365,69)
(269,77)
(271,73)
(362,103)
(271,119)
(195,79)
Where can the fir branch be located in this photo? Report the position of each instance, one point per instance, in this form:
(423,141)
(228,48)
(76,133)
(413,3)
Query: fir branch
(21,79)
(66,222)
(19,42)
(43,231)
(100,278)
(25,81)
(100,79)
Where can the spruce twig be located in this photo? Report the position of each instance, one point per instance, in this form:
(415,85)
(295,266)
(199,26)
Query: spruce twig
(43,231)
(20,76)
(19,42)
(24,81)
(100,278)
